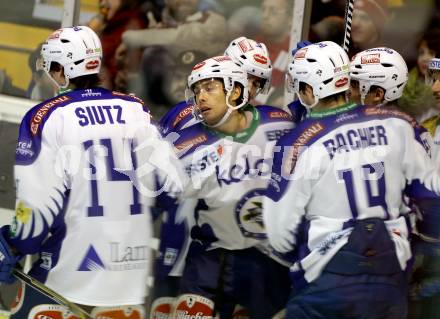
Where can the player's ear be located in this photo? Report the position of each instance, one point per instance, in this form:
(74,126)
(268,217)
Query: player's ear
(236,93)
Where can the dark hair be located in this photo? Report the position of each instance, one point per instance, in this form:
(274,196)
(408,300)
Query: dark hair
(81,82)
(86,81)
(333,97)
(432,39)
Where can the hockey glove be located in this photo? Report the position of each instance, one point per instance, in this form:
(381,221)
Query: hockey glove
(425,280)
(7,259)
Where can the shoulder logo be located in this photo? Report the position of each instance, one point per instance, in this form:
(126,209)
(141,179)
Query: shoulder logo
(38,117)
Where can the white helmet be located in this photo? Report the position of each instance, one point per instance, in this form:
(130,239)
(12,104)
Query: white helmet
(77,49)
(382,67)
(219,67)
(253,57)
(324,66)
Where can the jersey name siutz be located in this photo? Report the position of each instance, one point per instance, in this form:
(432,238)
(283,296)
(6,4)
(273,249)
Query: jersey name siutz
(93,115)
(356,139)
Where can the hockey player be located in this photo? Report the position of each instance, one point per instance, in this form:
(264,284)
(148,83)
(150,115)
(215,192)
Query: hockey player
(433,80)
(425,287)
(335,195)
(254,60)
(377,76)
(78,205)
(253,57)
(227,157)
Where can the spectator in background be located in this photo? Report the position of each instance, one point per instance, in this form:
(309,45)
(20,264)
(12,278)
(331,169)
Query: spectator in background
(369,18)
(330,28)
(417,99)
(116,17)
(276,18)
(182,28)
(245,22)
(163,77)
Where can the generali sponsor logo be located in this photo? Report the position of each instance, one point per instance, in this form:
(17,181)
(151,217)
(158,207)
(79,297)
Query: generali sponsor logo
(383,111)
(192,142)
(279,115)
(301,141)
(116,93)
(370,58)
(41,113)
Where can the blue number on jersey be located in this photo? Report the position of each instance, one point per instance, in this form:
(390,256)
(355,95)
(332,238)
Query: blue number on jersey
(378,169)
(98,210)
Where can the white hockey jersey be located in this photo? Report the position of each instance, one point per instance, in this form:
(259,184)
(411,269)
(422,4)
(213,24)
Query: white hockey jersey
(76,201)
(341,165)
(229,176)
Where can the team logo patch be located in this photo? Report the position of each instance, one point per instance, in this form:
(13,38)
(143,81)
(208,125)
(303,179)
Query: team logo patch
(22,212)
(92,64)
(260,58)
(370,59)
(249,214)
(341,82)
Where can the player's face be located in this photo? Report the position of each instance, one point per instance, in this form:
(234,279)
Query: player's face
(424,55)
(435,86)
(255,84)
(363,30)
(211,100)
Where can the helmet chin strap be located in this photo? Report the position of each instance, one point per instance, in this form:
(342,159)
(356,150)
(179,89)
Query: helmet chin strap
(307,105)
(61,88)
(228,113)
